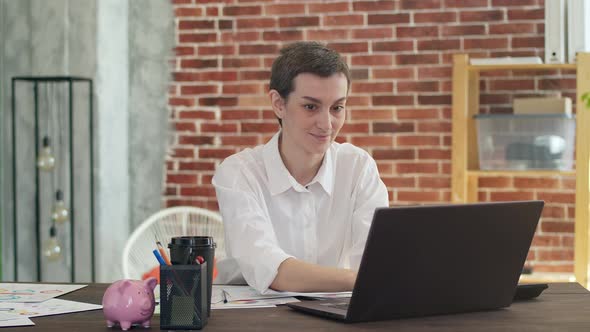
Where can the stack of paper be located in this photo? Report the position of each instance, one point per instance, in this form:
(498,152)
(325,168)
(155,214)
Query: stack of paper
(19,302)
(238,297)
(248,297)
(258,303)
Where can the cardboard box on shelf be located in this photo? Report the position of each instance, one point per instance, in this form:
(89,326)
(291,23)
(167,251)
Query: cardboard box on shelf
(542,105)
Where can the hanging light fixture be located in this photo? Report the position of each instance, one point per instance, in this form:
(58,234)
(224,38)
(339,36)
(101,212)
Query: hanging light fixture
(46,160)
(52,247)
(60,213)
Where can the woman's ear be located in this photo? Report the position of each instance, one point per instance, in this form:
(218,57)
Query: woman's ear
(278,103)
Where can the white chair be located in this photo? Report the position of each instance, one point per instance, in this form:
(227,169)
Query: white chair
(138,257)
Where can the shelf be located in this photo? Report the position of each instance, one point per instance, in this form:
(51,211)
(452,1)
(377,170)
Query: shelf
(521,173)
(464,152)
(569,66)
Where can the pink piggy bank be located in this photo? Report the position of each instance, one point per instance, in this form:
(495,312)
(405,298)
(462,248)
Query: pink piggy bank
(129,302)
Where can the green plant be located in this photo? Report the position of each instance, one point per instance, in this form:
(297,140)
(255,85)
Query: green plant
(586,99)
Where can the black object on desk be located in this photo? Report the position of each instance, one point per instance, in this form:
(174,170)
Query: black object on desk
(184,250)
(183,297)
(529,291)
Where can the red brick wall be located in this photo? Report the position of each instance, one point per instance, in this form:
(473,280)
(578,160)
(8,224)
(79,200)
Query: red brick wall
(400,52)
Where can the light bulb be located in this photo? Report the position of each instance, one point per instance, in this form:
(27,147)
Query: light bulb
(51,247)
(46,160)
(59,213)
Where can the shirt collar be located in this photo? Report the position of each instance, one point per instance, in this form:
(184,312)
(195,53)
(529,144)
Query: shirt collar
(279,178)
(325,175)
(278,175)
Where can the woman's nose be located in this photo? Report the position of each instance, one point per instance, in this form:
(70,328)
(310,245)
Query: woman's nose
(324,120)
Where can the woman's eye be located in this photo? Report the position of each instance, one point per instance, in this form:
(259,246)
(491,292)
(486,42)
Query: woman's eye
(338,108)
(310,107)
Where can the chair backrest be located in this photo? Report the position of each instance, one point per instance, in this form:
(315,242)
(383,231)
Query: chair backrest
(162,226)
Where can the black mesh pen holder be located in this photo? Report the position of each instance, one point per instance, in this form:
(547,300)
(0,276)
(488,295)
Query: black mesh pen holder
(183,297)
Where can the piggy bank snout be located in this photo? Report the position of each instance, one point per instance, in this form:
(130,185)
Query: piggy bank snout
(145,303)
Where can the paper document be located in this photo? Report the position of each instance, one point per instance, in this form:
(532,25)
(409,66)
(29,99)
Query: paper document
(9,320)
(46,308)
(249,304)
(5,316)
(235,293)
(33,292)
(332,295)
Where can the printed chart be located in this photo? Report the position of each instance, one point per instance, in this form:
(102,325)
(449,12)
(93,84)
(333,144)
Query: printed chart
(24,293)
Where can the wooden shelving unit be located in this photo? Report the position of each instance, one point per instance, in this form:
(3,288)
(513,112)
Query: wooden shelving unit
(465,162)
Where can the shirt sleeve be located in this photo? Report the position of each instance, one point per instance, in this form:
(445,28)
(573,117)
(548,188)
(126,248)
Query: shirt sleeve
(371,193)
(249,234)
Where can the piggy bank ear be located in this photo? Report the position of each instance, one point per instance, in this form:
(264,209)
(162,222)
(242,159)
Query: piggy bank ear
(151,282)
(124,285)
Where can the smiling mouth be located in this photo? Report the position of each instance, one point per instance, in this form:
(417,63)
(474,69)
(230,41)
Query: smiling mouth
(321,137)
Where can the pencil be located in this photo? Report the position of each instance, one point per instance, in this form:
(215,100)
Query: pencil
(163,253)
(159,257)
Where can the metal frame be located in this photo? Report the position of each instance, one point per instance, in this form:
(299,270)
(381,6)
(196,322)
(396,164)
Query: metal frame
(70,80)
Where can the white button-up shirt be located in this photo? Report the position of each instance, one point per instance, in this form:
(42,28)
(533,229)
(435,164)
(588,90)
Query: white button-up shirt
(268,216)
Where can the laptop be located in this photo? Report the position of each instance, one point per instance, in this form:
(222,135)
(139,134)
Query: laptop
(432,260)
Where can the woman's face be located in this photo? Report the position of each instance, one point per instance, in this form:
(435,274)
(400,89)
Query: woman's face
(313,113)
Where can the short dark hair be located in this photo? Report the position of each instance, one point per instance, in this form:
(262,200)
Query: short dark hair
(304,57)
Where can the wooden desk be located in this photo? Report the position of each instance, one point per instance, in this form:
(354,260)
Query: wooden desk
(562,307)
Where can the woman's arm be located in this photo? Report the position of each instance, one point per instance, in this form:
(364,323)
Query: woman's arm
(370,193)
(298,276)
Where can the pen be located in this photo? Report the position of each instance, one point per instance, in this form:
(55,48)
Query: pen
(224,295)
(163,253)
(158,257)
